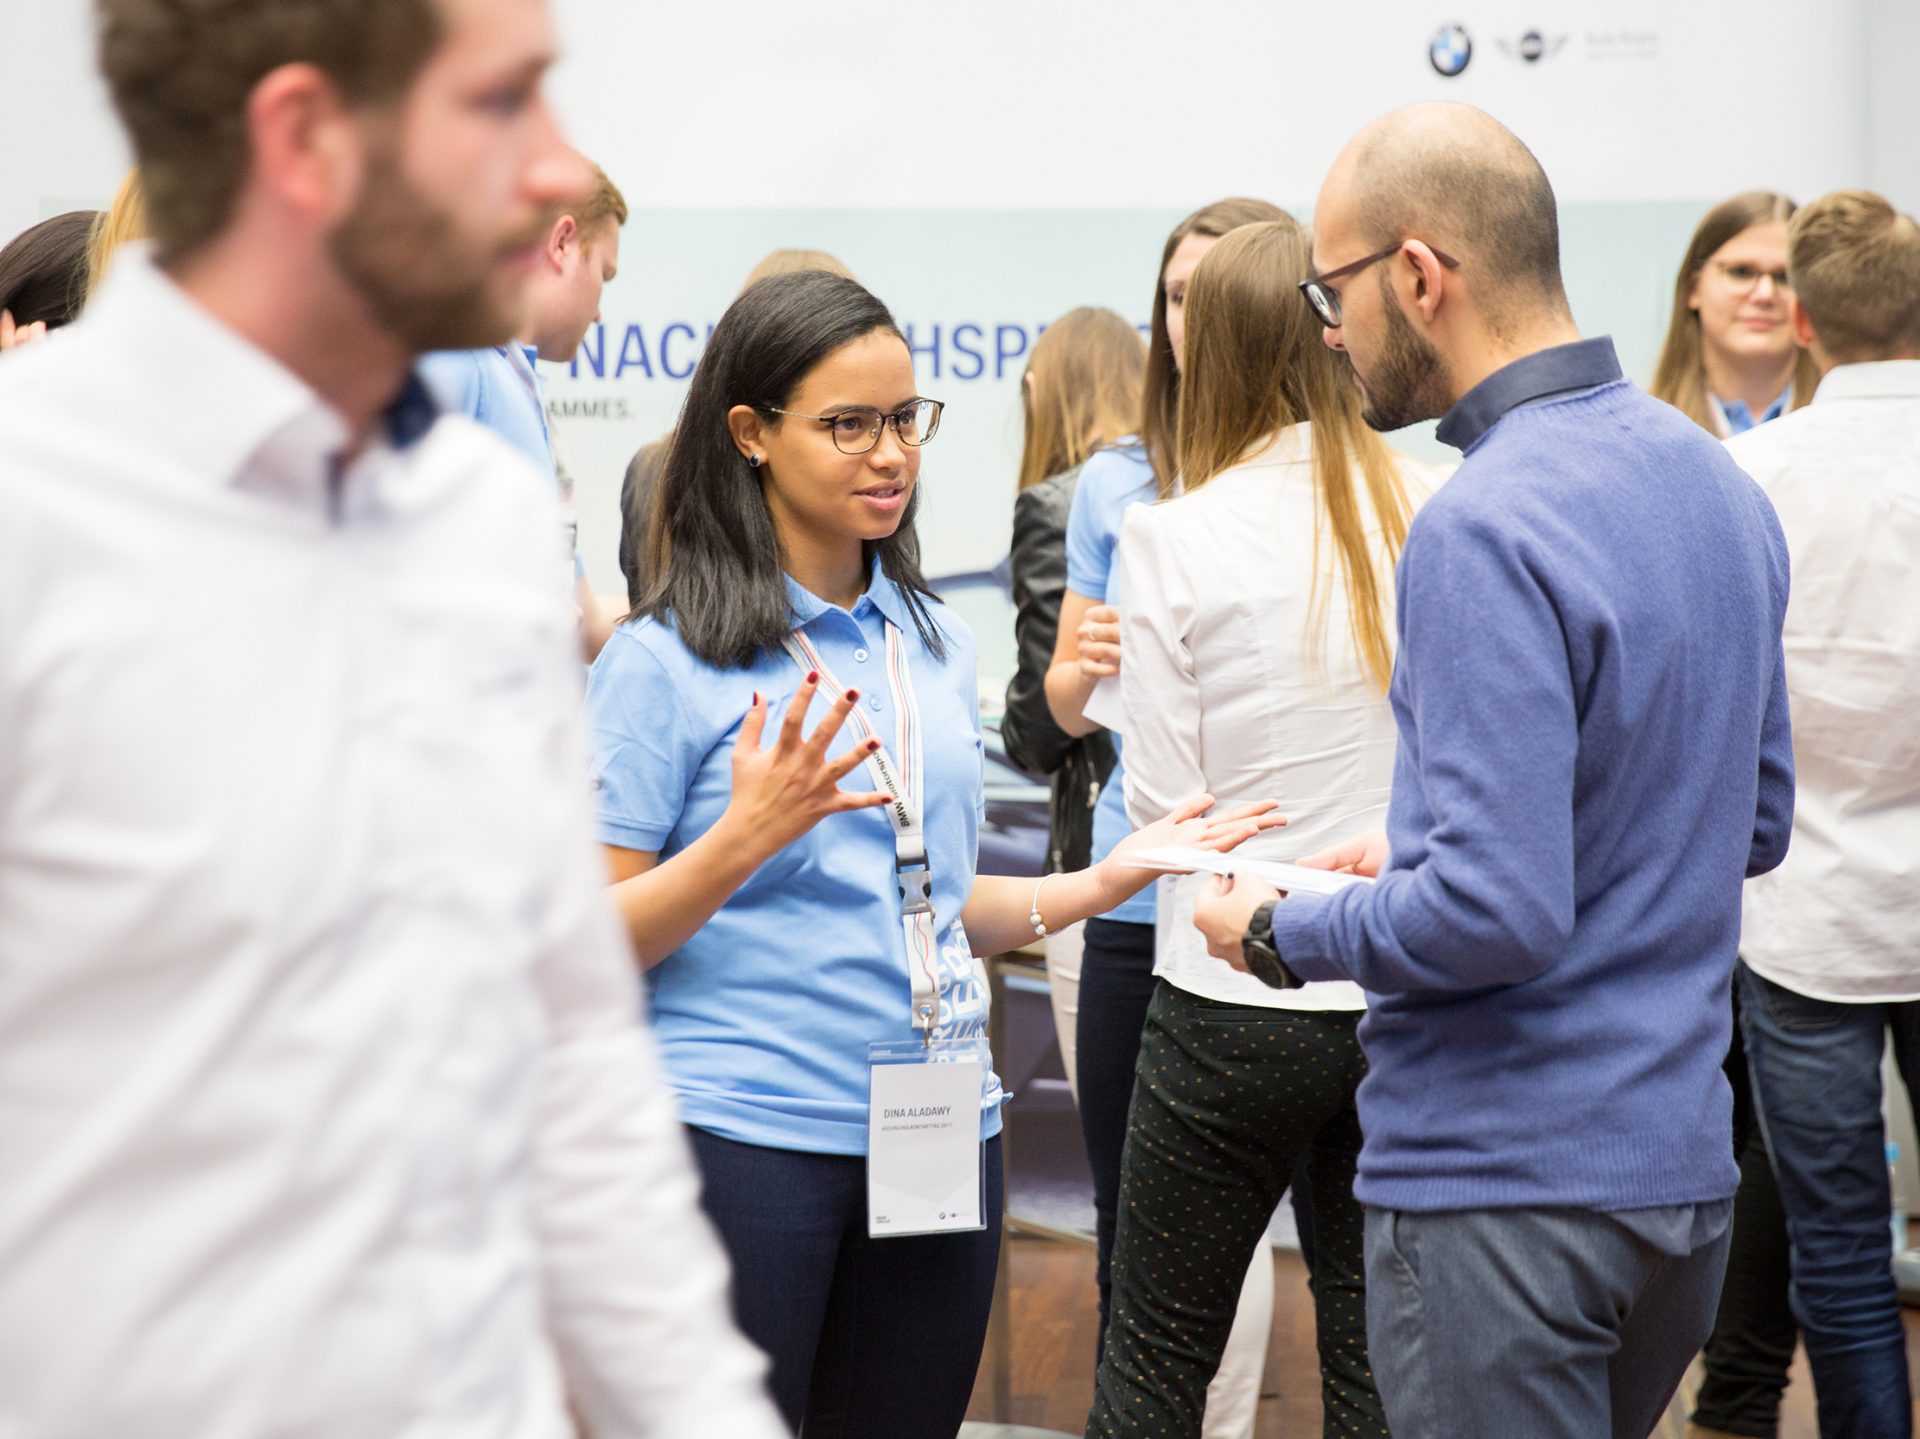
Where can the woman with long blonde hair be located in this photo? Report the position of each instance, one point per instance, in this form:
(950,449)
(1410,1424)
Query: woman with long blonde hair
(1729,361)
(1116,975)
(1255,622)
(1081,391)
(123,220)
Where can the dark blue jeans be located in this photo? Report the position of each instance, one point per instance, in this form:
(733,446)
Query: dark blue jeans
(1815,1067)
(1748,1354)
(869,1338)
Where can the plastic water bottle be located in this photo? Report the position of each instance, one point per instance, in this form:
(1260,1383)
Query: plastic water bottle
(1899,1200)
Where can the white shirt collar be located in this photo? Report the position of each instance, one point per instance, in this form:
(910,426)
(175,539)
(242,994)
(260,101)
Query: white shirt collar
(226,401)
(1871,380)
(1291,446)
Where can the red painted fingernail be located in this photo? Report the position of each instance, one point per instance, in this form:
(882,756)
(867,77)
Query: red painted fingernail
(853,694)
(873,744)
(813,677)
(756,698)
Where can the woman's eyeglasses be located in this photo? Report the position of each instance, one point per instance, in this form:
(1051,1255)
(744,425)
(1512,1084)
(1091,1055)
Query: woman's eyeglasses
(1745,279)
(857,430)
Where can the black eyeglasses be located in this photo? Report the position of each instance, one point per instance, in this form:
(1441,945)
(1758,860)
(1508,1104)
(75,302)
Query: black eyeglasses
(1743,278)
(1326,300)
(857,430)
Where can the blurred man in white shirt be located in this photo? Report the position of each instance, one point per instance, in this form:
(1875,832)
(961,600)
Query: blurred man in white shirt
(327,1112)
(1831,960)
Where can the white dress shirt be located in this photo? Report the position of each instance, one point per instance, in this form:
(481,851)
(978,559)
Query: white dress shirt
(324,1111)
(1224,692)
(1836,920)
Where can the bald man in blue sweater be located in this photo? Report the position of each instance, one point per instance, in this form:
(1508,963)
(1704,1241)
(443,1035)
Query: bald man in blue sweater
(1594,755)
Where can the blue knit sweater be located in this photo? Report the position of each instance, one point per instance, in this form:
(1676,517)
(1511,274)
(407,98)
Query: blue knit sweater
(1594,753)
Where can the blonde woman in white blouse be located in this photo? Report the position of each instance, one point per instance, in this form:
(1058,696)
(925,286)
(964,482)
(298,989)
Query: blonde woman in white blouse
(1254,615)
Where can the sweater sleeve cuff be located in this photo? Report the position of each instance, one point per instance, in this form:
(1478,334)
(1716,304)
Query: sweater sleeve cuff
(1300,933)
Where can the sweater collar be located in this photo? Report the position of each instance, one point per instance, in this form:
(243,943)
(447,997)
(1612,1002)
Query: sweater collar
(1560,370)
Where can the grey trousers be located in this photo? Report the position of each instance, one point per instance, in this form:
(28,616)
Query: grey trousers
(1539,1323)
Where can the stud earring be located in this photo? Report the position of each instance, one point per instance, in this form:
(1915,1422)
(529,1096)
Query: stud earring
(753,462)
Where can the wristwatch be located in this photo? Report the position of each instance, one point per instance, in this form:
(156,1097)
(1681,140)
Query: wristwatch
(1263,957)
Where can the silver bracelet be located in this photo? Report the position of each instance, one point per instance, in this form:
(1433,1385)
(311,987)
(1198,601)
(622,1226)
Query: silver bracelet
(1039,924)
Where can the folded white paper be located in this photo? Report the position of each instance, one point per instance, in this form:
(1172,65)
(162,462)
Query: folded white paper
(1289,878)
(1103,704)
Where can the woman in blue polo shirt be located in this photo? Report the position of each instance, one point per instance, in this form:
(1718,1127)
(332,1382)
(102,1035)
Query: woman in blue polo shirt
(765,901)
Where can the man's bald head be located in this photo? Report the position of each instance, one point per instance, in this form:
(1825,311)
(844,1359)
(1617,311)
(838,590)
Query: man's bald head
(1458,178)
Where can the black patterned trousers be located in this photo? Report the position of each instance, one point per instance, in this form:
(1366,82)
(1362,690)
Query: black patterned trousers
(1226,1098)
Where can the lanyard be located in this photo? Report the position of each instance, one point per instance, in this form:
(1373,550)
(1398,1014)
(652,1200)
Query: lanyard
(518,362)
(904,785)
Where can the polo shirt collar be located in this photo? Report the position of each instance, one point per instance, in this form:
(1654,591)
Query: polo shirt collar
(882,594)
(1559,370)
(1871,380)
(1740,418)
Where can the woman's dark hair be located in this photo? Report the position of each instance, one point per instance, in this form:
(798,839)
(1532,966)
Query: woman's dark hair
(713,560)
(43,270)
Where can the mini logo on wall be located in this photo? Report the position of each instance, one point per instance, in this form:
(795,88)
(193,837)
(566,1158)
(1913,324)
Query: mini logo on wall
(1450,50)
(1533,47)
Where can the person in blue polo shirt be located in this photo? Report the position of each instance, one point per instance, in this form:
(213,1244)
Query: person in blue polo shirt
(501,387)
(775,912)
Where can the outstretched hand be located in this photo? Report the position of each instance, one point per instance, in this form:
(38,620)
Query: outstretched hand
(1188,827)
(1364,854)
(784,789)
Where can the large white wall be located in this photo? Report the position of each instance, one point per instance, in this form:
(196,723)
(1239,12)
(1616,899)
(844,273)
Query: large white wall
(985,167)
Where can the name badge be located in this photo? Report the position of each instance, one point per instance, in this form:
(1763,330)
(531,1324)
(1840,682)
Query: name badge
(923,1137)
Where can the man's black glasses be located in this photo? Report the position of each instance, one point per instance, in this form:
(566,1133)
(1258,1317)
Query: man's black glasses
(1326,300)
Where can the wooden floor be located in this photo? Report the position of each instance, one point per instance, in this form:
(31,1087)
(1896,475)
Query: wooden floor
(1054,1318)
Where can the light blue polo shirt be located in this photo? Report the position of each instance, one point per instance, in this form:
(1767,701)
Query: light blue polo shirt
(1109,482)
(764,1015)
(1740,419)
(505,396)
(502,389)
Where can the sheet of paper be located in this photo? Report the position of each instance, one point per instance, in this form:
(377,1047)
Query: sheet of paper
(1103,705)
(1291,878)
(923,1148)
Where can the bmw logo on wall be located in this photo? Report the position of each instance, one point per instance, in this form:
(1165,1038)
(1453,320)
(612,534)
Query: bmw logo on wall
(1450,50)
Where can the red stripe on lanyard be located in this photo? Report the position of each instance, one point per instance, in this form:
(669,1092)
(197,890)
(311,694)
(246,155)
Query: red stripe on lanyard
(922,942)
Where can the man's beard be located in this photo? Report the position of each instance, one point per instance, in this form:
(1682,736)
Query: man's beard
(1407,382)
(426,283)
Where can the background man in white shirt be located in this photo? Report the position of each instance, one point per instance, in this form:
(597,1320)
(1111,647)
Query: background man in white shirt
(1831,964)
(326,1111)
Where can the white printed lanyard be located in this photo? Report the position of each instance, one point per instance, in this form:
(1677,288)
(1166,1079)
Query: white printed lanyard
(518,362)
(904,785)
